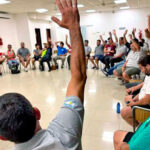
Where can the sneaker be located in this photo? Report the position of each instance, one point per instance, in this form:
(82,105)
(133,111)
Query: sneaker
(104,72)
(34,68)
(25,69)
(0,74)
(97,68)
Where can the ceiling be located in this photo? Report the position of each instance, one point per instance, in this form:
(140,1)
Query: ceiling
(29,6)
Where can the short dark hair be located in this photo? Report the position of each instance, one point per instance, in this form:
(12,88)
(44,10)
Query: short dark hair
(144,60)
(137,41)
(36,45)
(87,41)
(62,43)
(121,38)
(17,118)
(99,40)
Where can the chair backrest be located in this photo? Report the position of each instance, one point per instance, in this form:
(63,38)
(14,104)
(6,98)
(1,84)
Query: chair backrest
(140,114)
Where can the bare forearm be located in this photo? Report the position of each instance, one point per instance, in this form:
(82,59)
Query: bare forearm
(116,38)
(78,65)
(139,86)
(144,101)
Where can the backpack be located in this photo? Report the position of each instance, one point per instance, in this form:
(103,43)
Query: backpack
(14,68)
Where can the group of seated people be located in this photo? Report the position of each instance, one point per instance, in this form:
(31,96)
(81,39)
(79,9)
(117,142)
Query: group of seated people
(137,94)
(44,55)
(120,57)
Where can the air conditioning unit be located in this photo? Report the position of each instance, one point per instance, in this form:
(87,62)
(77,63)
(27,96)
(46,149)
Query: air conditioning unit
(4,15)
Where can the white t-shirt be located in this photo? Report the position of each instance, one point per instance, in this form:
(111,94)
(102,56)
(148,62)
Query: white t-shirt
(146,88)
(133,58)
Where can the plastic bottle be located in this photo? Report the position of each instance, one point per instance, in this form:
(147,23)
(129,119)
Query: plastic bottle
(118,108)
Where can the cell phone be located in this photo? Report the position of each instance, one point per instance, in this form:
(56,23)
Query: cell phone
(128,102)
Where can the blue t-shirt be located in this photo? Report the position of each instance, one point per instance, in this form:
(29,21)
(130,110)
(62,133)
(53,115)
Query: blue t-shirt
(61,51)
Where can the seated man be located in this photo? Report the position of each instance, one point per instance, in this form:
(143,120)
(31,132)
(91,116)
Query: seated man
(143,98)
(109,52)
(69,51)
(61,54)
(37,55)
(24,56)
(131,66)
(99,54)
(46,56)
(20,120)
(133,141)
(88,51)
(2,59)
(10,55)
(121,50)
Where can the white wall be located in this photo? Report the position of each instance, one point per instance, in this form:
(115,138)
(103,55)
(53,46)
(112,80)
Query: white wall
(42,25)
(21,28)
(22,23)
(8,33)
(102,23)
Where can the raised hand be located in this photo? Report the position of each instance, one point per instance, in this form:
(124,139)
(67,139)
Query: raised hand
(110,34)
(134,31)
(130,36)
(66,36)
(70,14)
(114,32)
(147,30)
(125,33)
(49,40)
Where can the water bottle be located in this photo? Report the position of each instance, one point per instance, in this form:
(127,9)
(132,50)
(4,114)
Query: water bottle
(118,108)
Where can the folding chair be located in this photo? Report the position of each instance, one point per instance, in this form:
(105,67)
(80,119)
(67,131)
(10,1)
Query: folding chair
(2,67)
(140,114)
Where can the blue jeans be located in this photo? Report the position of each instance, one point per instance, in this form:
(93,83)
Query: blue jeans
(110,72)
(10,62)
(100,57)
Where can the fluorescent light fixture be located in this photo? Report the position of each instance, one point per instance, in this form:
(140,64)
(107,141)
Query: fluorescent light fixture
(4,2)
(125,7)
(91,11)
(41,10)
(80,5)
(120,1)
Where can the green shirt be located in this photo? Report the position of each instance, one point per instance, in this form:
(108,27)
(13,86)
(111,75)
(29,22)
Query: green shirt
(141,138)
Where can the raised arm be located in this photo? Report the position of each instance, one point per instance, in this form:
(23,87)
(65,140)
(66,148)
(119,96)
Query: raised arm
(133,33)
(70,20)
(56,43)
(115,35)
(110,35)
(124,36)
(147,30)
(51,45)
(101,38)
(68,45)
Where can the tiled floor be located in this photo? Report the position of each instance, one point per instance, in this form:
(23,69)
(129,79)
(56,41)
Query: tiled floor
(47,91)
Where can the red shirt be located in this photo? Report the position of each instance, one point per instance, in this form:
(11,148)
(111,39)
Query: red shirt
(11,54)
(111,49)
